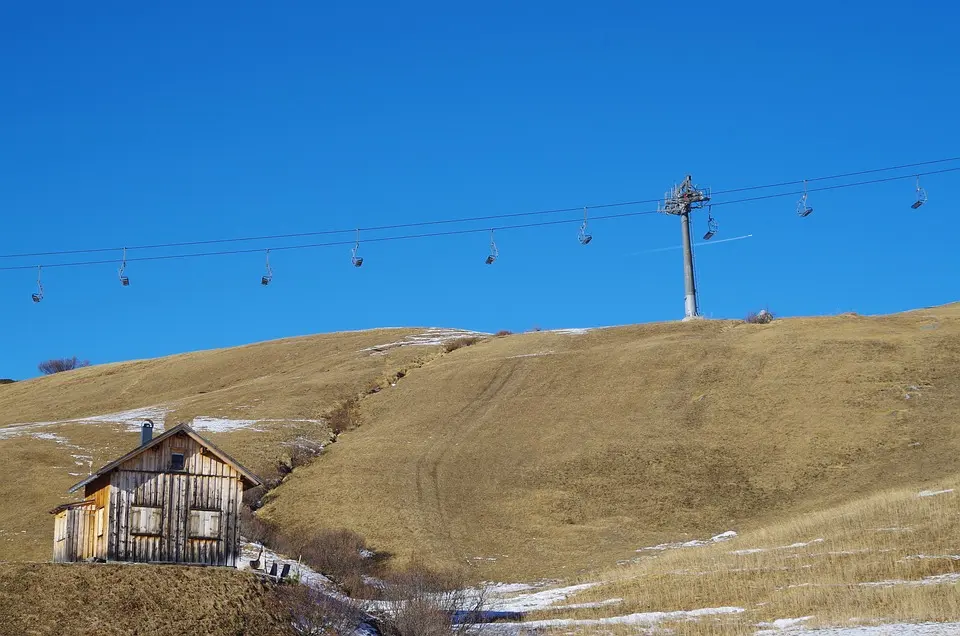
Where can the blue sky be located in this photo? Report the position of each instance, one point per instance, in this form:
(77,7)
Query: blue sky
(126,125)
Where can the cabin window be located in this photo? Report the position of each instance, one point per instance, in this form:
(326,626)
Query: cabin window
(204,524)
(99,522)
(176,461)
(144,520)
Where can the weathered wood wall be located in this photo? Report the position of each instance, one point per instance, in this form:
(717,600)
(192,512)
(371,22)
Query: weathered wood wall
(74,533)
(161,515)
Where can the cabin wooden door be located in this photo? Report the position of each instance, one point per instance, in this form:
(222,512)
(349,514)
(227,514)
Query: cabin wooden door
(178,517)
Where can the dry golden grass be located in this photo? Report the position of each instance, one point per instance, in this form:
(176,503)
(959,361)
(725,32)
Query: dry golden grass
(133,600)
(893,556)
(540,454)
(547,454)
(296,378)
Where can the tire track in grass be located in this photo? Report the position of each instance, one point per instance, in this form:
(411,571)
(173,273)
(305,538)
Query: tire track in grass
(461,425)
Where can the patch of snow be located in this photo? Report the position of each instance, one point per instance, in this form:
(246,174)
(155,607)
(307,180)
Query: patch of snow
(53,436)
(502,589)
(642,619)
(308,576)
(609,601)
(16,430)
(430,338)
(533,601)
(531,355)
(222,425)
(951,557)
(576,331)
(792,546)
(933,493)
(785,623)
(132,419)
(895,529)
(937,579)
(892,629)
(695,543)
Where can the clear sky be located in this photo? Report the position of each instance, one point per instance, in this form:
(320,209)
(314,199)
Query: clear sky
(122,124)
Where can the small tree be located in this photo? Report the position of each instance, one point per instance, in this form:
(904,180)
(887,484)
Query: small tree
(59,365)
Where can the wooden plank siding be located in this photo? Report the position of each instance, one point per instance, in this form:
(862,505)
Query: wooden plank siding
(74,536)
(146,484)
(175,499)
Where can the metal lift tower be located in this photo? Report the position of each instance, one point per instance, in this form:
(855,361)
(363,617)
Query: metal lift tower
(680,201)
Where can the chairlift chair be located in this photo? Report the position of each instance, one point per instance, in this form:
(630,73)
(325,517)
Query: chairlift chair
(583,237)
(921,196)
(356,260)
(37,297)
(268,277)
(712,227)
(494,252)
(124,280)
(803,210)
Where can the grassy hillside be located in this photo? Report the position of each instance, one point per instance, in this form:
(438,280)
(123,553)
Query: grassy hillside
(120,600)
(530,455)
(548,454)
(892,556)
(285,382)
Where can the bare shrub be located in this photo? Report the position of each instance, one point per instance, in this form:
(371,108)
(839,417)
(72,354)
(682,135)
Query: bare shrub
(761,317)
(255,529)
(344,416)
(300,454)
(313,613)
(6,381)
(458,343)
(503,332)
(424,602)
(59,365)
(339,554)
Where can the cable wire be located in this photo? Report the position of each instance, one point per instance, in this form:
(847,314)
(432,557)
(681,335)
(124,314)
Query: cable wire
(491,217)
(382,239)
(838,176)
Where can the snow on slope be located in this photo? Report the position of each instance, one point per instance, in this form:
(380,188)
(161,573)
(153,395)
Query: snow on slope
(132,420)
(892,629)
(641,621)
(429,338)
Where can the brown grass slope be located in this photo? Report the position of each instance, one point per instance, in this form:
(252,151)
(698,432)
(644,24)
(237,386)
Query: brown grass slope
(546,454)
(295,378)
(892,556)
(120,600)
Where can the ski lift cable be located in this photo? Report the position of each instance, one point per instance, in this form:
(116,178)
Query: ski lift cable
(490,217)
(465,231)
(836,176)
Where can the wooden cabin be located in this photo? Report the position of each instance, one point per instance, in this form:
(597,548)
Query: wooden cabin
(174,499)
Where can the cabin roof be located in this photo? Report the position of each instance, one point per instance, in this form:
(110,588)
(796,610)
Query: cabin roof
(72,504)
(249,478)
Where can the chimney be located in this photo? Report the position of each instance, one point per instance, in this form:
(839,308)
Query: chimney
(146,432)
